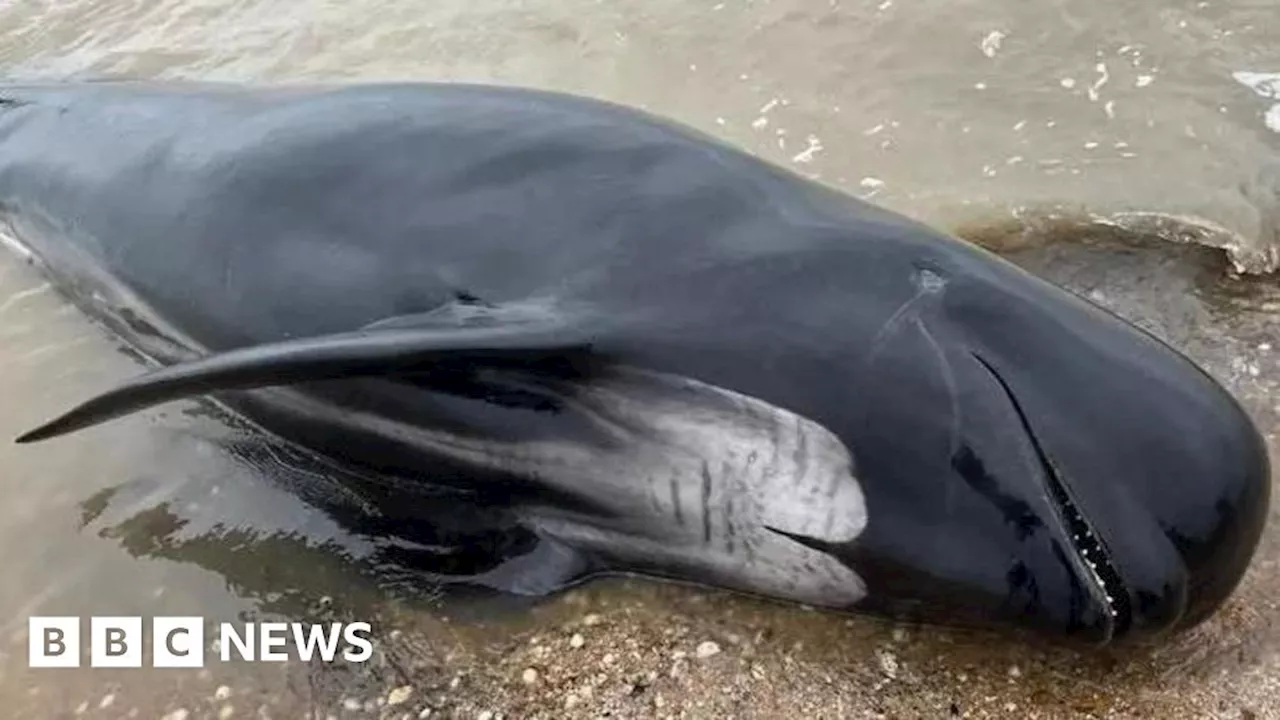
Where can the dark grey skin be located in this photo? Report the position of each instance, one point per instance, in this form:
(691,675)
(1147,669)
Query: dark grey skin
(646,351)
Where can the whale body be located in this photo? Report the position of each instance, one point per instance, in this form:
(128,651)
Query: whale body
(648,351)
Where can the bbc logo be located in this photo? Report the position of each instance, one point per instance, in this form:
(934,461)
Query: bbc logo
(115,642)
(179,642)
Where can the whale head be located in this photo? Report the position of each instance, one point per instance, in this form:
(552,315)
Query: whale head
(1029,457)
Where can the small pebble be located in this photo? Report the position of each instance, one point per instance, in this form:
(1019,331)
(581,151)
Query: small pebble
(352,705)
(222,693)
(424,713)
(226,712)
(707,649)
(577,641)
(399,695)
(888,663)
(530,676)
(82,707)
(107,700)
(592,619)
(486,715)
(179,714)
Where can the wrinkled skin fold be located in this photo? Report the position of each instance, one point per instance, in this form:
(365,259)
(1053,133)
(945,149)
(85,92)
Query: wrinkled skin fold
(638,350)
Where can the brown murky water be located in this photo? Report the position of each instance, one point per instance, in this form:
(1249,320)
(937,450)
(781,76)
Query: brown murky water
(1085,139)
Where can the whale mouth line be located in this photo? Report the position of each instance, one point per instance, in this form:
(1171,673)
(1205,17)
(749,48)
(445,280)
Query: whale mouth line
(1092,559)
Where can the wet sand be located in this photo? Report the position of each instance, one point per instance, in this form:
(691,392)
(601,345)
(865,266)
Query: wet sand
(177,512)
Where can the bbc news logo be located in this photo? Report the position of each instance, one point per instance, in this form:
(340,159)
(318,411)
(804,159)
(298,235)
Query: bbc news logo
(179,642)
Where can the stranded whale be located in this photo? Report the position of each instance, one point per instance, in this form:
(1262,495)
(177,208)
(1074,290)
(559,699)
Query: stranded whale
(650,351)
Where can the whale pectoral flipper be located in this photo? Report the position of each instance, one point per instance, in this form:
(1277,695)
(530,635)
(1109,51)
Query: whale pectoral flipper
(381,349)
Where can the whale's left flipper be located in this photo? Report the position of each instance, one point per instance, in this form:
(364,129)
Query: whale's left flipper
(389,347)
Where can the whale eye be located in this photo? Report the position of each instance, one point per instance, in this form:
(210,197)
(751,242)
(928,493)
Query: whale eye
(929,280)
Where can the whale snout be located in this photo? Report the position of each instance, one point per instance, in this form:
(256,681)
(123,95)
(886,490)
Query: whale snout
(1155,474)
(1031,459)
(1218,546)
(1166,481)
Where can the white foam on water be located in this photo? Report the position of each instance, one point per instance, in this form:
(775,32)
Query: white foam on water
(1266,85)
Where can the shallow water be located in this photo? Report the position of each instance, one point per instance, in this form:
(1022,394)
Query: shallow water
(1084,139)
